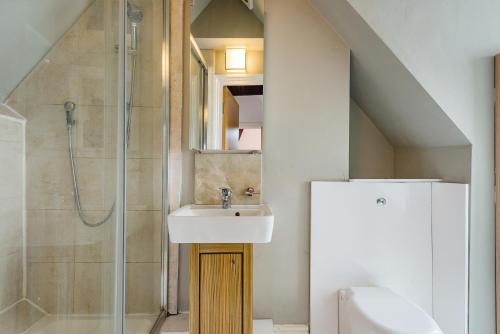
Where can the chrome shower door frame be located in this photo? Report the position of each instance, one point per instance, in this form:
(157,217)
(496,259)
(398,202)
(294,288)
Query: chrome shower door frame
(165,154)
(121,165)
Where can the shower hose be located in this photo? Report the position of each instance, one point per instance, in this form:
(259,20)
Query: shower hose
(69,107)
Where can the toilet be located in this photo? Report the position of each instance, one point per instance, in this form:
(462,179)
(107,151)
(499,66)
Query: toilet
(376,310)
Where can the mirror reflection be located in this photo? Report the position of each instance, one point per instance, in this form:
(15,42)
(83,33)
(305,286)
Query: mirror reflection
(226,75)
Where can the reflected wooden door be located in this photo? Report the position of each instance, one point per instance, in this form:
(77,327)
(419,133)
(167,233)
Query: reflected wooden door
(230,122)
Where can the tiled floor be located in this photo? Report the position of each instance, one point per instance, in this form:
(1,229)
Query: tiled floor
(176,324)
(52,324)
(19,317)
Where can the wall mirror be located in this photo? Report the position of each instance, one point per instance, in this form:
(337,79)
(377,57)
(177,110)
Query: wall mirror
(226,75)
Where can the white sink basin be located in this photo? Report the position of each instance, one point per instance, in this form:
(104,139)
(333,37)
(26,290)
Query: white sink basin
(212,224)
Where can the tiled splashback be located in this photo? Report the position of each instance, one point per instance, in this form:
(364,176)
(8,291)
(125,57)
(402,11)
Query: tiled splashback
(236,171)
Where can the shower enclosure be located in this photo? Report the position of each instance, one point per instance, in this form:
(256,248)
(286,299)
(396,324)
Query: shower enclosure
(83,166)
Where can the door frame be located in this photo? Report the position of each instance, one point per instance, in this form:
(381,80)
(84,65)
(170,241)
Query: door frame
(214,132)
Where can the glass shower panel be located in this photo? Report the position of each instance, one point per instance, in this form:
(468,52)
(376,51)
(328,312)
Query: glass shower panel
(144,163)
(59,171)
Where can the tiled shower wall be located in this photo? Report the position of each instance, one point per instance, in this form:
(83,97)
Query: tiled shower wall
(69,265)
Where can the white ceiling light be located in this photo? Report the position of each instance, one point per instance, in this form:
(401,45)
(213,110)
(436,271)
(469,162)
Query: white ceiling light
(236,60)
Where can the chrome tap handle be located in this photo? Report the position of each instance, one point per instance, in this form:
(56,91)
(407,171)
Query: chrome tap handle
(226,191)
(226,197)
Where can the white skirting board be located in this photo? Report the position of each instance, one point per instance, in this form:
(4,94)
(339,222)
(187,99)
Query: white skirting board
(266,327)
(262,326)
(291,329)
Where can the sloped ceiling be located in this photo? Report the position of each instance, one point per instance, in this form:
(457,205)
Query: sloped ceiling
(227,19)
(200,5)
(382,86)
(30,28)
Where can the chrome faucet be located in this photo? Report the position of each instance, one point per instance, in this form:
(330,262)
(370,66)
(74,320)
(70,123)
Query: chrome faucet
(226,194)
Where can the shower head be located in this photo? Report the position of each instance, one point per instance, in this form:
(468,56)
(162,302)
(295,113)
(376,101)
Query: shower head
(69,107)
(135,16)
(134,13)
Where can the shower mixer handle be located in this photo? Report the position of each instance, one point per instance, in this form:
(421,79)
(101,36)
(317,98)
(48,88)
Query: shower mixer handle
(69,107)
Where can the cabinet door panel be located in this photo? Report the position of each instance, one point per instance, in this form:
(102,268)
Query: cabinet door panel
(221,293)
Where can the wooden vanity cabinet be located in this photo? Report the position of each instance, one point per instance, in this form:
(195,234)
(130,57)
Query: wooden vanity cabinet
(220,289)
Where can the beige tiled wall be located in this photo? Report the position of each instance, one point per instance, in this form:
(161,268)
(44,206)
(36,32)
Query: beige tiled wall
(69,265)
(236,171)
(178,55)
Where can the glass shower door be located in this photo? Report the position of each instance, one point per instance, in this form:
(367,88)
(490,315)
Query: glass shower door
(81,166)
(62,170)
(144,161)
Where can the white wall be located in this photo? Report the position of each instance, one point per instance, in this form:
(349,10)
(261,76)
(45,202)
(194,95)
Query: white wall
(371,156)
(451,164)
(385,89)
(458,35)
(448,46)
(251,111)
(306,137)
(30,28)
